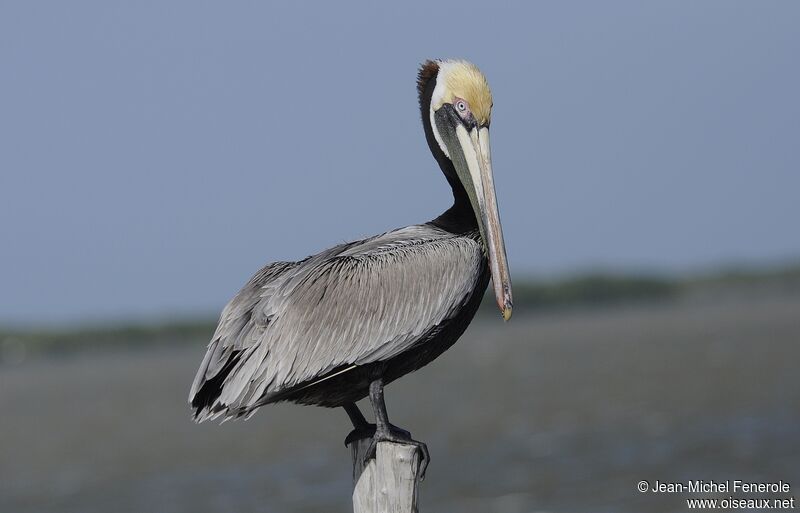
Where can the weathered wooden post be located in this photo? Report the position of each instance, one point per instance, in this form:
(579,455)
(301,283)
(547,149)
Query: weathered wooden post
(388,483)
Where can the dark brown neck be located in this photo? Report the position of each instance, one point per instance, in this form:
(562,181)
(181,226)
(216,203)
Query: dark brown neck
(460,217)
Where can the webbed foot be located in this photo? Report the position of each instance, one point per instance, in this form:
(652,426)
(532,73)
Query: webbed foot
(368,431)
(400,436)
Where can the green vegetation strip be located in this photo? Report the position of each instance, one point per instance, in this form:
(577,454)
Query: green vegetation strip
(584,291)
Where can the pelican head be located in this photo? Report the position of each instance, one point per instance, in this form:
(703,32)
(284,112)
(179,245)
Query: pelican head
(459,103)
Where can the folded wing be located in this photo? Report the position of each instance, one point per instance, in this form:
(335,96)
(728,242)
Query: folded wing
(355,304)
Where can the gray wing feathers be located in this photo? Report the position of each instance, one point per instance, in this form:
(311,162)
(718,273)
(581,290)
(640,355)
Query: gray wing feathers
(351,305)
(235,328)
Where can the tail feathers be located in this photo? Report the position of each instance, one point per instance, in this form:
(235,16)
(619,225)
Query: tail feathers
(205,402)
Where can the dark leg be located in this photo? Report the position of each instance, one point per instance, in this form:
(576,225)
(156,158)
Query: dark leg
(361,428)
(386,432)
(356,417)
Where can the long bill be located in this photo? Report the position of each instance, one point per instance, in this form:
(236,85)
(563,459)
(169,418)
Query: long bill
(475,146)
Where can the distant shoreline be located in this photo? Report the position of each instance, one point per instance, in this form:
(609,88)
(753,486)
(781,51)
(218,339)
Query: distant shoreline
(588,290)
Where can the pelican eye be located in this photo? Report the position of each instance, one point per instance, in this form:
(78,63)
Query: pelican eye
(462,109)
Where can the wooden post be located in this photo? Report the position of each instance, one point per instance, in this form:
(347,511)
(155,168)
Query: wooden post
(388,484)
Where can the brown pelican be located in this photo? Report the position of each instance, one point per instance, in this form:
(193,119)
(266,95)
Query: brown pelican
(338,326)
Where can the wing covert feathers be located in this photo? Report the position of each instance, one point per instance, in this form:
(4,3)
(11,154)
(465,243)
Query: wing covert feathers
(351,305)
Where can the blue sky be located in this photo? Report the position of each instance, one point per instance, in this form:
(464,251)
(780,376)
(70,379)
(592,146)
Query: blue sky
(154,155)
